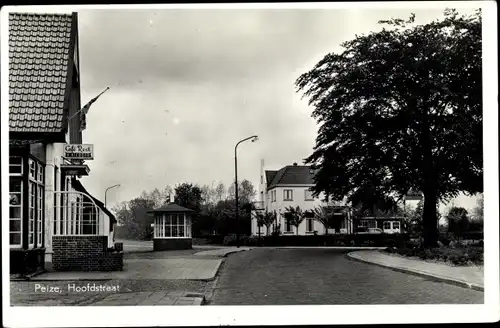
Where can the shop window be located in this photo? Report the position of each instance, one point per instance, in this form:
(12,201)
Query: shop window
(15,165)
(172,226)
(32,213)
(15,211)
(35,197)
(387,225)
(32,166)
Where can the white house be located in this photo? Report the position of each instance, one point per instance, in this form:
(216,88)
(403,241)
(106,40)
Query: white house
(290,186)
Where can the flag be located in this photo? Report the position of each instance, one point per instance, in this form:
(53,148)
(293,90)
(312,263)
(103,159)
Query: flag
(85,110)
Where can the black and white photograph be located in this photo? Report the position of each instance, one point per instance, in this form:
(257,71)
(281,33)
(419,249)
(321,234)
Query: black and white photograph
(217,164)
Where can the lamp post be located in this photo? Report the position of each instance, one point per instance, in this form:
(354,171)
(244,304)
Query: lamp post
(106,192)
(253,138)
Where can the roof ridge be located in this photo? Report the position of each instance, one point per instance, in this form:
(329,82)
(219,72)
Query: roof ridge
(41,14)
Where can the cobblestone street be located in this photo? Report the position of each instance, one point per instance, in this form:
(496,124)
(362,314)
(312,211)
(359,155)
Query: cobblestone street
(325,276)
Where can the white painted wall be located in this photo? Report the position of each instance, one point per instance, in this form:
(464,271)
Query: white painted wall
(280,206)
(54,152)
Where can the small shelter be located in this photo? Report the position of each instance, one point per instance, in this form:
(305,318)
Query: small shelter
(172,228)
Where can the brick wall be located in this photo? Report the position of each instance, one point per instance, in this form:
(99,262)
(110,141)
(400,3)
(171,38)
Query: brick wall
(165,244)
(84,253)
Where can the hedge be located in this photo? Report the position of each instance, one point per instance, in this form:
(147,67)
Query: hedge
(396,240)
(460,256)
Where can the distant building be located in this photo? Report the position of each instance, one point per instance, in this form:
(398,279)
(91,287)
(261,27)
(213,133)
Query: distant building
(290,186)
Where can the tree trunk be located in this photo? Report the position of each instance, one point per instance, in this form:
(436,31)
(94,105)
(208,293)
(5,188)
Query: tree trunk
(430,219)
(430,229)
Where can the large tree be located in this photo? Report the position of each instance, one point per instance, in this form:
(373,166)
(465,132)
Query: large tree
(479,209)
(246,191)
(189,195)
(458,221)
(401,109)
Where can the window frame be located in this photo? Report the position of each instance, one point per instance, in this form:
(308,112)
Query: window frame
(17,178)
(285,198)
(306,192)
(11,174)
(311,222)
(36,181)
(32,212)
(166,222)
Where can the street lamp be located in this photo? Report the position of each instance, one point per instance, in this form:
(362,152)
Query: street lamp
(106,192)
(253,138)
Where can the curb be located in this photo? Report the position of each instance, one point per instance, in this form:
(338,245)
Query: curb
(429,276)
(68,279)
(236,251)
(213,275)
(199,299)
(222,255)
(363,248)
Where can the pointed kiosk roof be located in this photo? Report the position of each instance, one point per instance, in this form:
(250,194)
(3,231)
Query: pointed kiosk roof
(171,208)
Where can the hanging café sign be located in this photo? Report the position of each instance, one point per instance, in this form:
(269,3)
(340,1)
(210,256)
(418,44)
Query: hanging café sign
(79,151)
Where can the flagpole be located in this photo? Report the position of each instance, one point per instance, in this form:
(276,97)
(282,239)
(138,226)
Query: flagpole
(90,100)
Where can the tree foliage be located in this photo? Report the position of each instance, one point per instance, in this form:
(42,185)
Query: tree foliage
(265,219)
(323,215)
(401,109)
(458,221)
(213,213)
(479,209)
(295,216)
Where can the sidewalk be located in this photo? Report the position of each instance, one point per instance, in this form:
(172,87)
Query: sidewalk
(174,269)
(470,277)
(151,299)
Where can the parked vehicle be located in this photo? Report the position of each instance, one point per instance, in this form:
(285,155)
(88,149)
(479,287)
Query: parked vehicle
(370,231)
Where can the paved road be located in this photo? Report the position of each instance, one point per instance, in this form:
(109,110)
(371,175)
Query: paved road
(324,276)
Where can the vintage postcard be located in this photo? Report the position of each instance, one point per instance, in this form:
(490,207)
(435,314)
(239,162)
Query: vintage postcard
(250,164)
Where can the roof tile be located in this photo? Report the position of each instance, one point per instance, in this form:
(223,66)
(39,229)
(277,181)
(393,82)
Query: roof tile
(290,175)
(39,46)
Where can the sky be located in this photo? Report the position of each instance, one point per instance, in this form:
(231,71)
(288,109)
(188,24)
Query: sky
(186,85)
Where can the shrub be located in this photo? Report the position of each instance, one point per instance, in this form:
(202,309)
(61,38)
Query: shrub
(253,241)
(229,240)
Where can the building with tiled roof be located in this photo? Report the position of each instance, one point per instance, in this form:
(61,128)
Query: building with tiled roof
(288,187)
(52,217)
